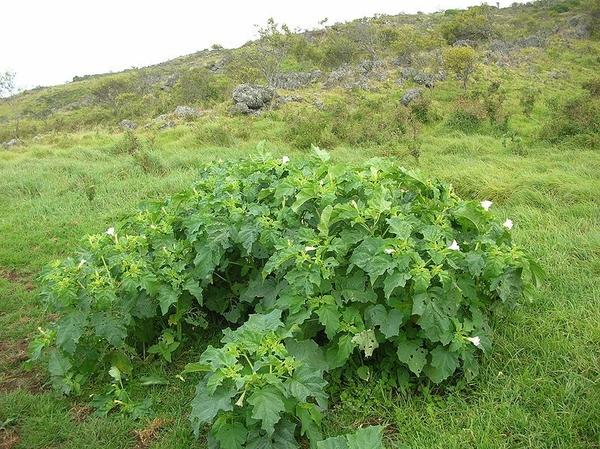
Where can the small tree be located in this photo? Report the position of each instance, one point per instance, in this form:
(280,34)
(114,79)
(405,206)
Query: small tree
(7,90)
(462,61)
(7,84)
(527,99)
(270,50)
(367,37)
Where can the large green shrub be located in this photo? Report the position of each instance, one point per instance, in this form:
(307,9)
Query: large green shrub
(319,268)
(577,117)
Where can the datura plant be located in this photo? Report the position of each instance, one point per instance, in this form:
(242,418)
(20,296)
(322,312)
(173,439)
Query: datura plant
(313,269)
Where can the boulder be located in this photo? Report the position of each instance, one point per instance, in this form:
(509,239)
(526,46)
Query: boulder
(424,79)
(186,112)
(127,124)
(410,95)
(251,97)
(295,80)
(11,143)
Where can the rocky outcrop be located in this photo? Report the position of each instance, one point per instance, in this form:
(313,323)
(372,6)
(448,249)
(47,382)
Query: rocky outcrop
(423,78)
(411,95)
(127,124)
(251,98)
(186,112)
(11,144)
(295,80)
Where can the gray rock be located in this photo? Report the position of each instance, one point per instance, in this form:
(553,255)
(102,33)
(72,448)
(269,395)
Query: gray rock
(12,143)
(251,97)
(162,121)
(186,112)
(217,66)
(281,100)
(169,81)
(530,41)
(295,80)
(424,79)
(464,43)
(580,26)
(127,124)
(410,95)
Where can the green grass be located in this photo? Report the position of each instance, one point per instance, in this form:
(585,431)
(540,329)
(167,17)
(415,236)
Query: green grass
(539,388)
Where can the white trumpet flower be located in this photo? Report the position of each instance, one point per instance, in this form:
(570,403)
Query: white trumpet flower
(454,246)
(508,224)
(486,204)
(475,340)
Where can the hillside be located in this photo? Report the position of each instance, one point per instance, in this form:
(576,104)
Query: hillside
(544,46)
(147,214)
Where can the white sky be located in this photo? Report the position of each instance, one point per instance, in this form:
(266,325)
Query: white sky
(49,41)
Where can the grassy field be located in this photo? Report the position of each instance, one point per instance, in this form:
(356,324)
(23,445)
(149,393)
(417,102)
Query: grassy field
(538,389)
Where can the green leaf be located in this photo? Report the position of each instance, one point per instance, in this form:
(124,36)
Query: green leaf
(69,330)
(310,421)
(166,298)
(308,352)
(306,382)
(107,327)
(411,353)
(153,379)
(58,364)
(230,435)
(247,235)
(338,354)
(366,342)
(321,154)
(324,221)
(205,406)
(443,364)
(365,438)
(330,318)
(400,227)
(388,322)
(391,326)
(122,362)
(370,256)
(267,407)
(393,281)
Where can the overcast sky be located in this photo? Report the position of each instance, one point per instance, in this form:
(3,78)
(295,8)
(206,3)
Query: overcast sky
(49,41)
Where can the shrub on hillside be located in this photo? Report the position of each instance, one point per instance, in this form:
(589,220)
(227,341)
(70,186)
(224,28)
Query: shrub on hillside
(338,49)
(199,86)
(313,270)
(473,24)
(306,125)
(467,114)
(575,117)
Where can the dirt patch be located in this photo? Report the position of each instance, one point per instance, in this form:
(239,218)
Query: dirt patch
(12,375)
(9,439)
(148,434)
(79,413)
(16,277)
